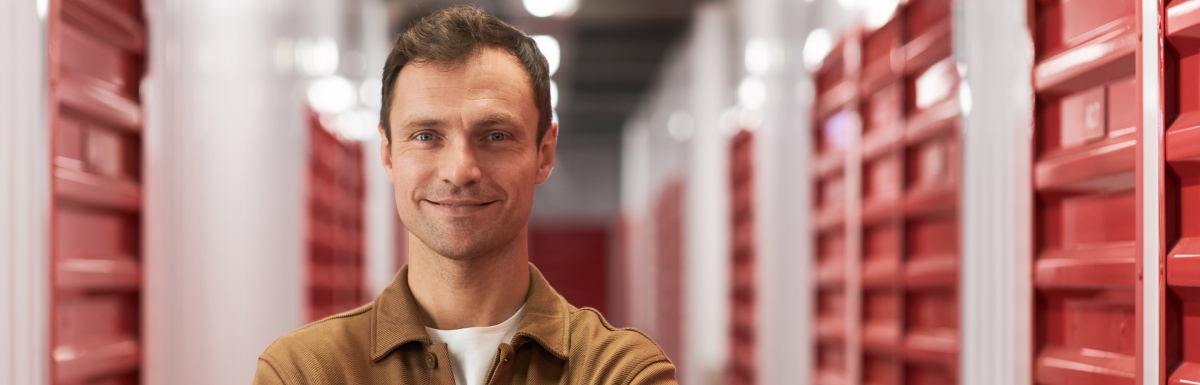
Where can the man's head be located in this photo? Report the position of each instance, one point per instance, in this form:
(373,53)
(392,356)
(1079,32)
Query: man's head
(452,35)
(466,130)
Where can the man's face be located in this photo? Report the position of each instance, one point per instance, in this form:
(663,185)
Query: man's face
(464,156)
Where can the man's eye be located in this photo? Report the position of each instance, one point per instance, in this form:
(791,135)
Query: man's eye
(496,137)
(424,137)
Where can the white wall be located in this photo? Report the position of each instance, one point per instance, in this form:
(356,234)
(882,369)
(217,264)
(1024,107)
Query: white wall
(24,195)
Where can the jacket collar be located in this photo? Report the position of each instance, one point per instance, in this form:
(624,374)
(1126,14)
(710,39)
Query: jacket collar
(397,319)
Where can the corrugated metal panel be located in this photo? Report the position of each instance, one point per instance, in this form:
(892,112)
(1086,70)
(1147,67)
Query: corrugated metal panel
(882,98)
(932,180)
(1181,325)
(669,226)
(835,125)
(96,66)
(743,302)
(1086,217)
(335,218)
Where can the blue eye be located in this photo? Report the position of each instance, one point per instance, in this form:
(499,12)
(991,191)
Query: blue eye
(497,137)
(424,137)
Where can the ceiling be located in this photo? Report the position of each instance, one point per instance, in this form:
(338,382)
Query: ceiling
(612,52)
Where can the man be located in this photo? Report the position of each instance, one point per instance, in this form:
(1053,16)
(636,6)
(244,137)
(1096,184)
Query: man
(467,134)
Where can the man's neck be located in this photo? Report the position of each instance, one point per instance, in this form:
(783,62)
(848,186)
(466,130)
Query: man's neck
(482,291)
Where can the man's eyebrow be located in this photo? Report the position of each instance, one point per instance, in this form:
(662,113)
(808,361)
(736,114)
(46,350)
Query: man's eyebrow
(497,119)
(424,123)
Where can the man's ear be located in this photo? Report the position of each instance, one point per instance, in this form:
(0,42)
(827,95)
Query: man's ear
(546,153)
(385,152)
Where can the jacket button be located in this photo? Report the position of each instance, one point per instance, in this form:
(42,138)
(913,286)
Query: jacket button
(431,360)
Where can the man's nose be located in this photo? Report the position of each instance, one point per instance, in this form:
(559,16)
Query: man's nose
(460,163)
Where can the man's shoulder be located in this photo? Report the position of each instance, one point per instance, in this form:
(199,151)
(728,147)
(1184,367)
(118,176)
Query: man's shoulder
(616,355)
(340,335)
(588,325)
(592,336)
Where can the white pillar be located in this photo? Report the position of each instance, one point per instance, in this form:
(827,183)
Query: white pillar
(992,42)
(24,195)
(706,267)
(225,156)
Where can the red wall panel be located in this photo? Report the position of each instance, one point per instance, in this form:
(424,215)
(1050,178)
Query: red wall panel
(743,367)
(1086,212)
(897,321)
(669,227)
(96,64)
(932,180)
(335,218)
(1182,151)
(574,259)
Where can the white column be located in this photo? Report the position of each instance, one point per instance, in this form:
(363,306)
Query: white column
(24,195)
(782,185)
(706,268)
(993,44)
(225,153)
(1152,190)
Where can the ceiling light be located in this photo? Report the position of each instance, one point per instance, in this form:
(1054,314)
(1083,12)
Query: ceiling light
(331,95)
(752,92)
(816,47)
(553,94)
(550,49)
(547,8)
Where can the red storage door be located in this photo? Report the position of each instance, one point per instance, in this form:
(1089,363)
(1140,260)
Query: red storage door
(1182,151)
(882,203)
(335,223)
(932,178)
(668,242)
(743,368)
(97,60)
(1087,252)
(573,259)
(835,117)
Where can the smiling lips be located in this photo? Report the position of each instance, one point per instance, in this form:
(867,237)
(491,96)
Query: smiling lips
(461,206)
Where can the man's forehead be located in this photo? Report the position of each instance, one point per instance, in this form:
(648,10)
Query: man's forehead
(493,78)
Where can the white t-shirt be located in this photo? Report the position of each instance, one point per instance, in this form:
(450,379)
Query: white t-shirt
(473,349)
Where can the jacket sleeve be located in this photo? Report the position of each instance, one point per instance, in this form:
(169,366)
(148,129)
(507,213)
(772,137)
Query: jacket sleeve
(266,374)
(657,372)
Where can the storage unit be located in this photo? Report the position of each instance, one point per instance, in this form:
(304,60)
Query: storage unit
(835,126)
(881,97)
(96,65)
(1087,198)
(573,258)
(1181,326)
(668,239)
(335,223)
(932,177)
(743,302)
(888,177)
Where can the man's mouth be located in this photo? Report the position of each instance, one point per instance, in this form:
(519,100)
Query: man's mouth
(461,206)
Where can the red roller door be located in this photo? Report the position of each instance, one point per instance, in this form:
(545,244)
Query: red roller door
(895,320)
(1182,151)
(743,369)
(1087,251)
(97,60)
(932,179)
(335,223)
(669,244)
(834,117)
(882,203)
(574,260)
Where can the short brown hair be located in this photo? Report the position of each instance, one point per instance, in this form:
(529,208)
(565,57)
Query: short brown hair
(450,36)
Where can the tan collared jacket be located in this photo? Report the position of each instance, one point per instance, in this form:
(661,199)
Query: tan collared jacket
(384,342)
